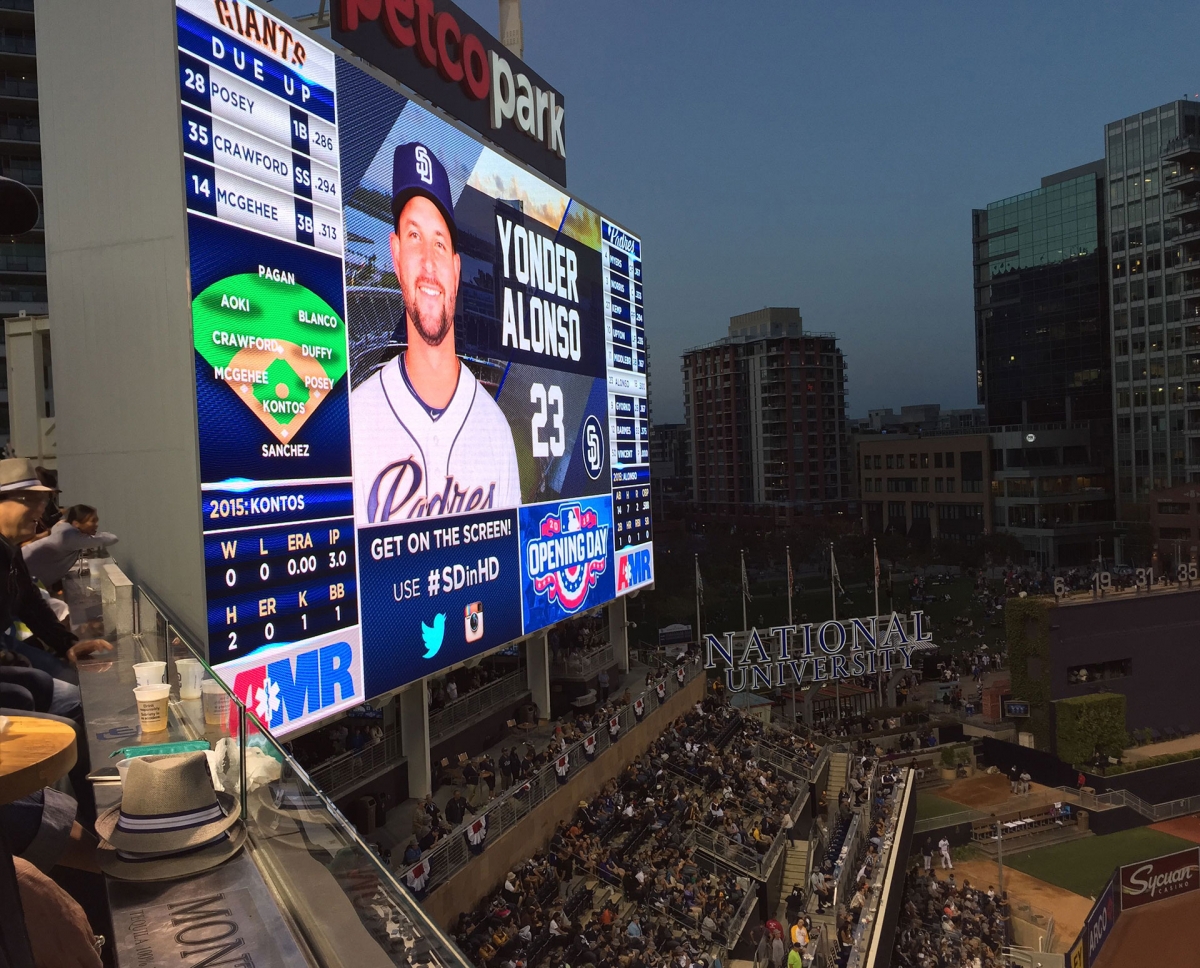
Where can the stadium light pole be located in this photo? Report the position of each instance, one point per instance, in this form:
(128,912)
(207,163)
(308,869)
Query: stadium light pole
(999,854)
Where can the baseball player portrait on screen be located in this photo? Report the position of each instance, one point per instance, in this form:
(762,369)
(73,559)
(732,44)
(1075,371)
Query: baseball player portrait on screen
(428,439)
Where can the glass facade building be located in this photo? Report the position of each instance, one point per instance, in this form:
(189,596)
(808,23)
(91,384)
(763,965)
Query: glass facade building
(1153,201)
(1042,349)
(1043,358)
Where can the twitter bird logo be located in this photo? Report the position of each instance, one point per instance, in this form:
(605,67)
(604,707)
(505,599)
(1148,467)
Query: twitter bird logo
(432,637)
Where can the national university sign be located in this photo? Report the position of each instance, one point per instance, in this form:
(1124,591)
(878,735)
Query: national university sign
(817,652)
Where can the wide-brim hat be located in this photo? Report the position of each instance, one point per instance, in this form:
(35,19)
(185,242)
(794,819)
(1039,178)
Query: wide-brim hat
(168,805)
(165,867)
(285,799)
(20,474)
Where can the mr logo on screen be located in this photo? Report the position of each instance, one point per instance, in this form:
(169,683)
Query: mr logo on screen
(634,568)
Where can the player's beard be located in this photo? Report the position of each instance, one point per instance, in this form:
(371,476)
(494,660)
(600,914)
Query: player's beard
(431,336)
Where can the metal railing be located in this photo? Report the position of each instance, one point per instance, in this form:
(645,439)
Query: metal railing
(17,86)
(792,765)
(19,132)
(584,665)
(1123,798)
(451,854)
(17,43)
(340,775)
(737,924)
(454,715)
(729,852)
(1028,801)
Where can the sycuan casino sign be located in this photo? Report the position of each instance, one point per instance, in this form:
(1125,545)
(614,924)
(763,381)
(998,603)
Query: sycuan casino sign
(1160,878)
(817,652)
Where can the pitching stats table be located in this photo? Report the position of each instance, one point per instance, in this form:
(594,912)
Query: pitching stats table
(628,413)
(261,166)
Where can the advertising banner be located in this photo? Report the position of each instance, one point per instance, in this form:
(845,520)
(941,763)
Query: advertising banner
(1162,877)
(1100,920)
(420,368)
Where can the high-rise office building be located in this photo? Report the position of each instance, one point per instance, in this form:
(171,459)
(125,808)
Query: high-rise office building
(765,409)
(22,261)
(1044,369)
(1041,320)
(1153,175)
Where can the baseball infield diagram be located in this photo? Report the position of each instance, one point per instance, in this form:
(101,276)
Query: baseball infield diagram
(276,344)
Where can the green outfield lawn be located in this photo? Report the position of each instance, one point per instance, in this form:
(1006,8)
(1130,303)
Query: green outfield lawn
(1084,866)
(929,806)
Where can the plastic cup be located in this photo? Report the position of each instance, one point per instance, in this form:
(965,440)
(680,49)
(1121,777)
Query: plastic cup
(152,706)
(216,703)
(190,672)
(150,673)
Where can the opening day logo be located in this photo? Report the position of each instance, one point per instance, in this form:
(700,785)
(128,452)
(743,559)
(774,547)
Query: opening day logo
(569,555)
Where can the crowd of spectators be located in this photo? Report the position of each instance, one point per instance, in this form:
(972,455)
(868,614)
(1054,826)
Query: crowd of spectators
(947,925)
(570,641)
(460,682)
(344,736)
(618,885)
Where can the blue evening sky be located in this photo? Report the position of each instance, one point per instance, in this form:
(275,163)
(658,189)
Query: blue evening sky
(828,156)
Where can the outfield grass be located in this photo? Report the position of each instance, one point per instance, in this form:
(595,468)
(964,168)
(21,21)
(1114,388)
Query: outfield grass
(929,806)
(1084,866)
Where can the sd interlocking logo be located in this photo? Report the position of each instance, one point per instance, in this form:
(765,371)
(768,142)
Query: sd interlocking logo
(568,556)
(276,344)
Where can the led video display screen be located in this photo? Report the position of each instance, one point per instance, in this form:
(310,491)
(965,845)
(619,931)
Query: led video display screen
(420,377)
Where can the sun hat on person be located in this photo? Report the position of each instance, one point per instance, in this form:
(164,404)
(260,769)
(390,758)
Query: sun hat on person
(20,474)
(171,821)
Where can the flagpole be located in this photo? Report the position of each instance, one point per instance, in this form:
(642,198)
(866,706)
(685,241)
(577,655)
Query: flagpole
(837,683)
(789,584)
(878,671)
(788,549)
(699,639)
(745,621)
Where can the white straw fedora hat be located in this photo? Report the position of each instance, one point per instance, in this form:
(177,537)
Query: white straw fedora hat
(170,821)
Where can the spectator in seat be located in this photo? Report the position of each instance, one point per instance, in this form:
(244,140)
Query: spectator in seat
(50,558)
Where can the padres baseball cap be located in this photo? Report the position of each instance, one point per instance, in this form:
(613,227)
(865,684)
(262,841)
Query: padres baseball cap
(417,171)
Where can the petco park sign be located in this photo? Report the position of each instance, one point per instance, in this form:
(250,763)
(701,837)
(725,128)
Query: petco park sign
(434,48)
(817,652)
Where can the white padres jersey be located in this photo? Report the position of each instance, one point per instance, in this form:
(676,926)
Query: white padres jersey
(408,465)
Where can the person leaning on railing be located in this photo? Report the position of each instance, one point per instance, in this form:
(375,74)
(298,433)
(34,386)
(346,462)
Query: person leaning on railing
(22,499)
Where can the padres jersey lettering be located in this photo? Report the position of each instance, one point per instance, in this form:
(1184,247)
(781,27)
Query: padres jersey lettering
(409,465)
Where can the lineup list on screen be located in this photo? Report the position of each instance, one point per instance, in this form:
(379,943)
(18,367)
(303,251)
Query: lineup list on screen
(356,539)
(628,414)
(261,162)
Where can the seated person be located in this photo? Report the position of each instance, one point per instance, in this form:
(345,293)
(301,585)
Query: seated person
(50,558)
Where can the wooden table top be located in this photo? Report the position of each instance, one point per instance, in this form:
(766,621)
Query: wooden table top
(33,754)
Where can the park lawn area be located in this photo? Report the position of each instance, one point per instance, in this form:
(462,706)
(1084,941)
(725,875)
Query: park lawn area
(1084,866)
(929,806)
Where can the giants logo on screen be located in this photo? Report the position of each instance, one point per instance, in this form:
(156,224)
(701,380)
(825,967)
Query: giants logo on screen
(568,556)
(633,569)
(283,693)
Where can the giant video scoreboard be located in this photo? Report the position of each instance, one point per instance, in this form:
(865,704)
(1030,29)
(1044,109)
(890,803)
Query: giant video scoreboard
(419,440)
